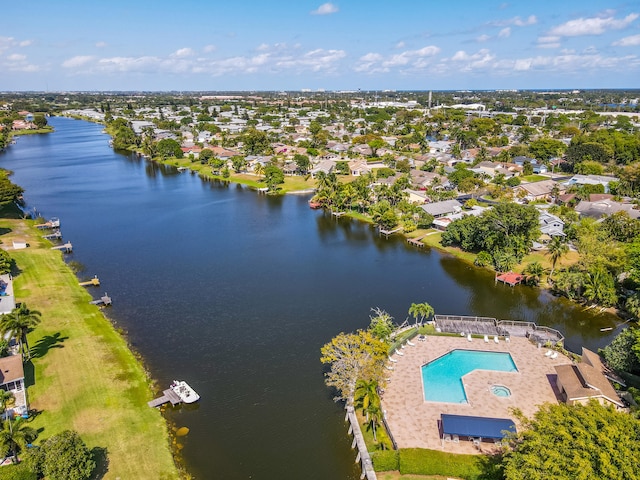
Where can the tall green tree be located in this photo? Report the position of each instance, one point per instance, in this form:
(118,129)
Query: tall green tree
(586,442)
(556,249)
(63,456)
(14,437)
(421,311)
(19,322)
(353,357)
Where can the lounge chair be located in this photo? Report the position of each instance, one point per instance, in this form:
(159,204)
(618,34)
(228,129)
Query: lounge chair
(495,339)
(410,344)
(388,367)
(456,439)
(399,352)
(393,360)
(507,339)
(554,355)
(469,337)
(549,353)
(486,339)
(447,437)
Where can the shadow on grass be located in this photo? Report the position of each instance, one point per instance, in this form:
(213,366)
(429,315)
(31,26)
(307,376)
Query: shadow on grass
(46,343)
(4,231)
(102,462)
(490,467)
(29,374)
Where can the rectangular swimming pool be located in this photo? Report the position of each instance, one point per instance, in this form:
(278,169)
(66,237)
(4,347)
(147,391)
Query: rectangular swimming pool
(442,377)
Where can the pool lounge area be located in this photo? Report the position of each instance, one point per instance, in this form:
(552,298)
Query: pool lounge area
(416,422)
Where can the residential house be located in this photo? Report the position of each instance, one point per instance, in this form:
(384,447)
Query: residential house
(424,180)
(416,196)
(12,380)
(591,180)
(604,208)
(585,381)
(7,300)
(441,223)
(439,209)
(550,225)
(358,168)
(540,190)
(325,166)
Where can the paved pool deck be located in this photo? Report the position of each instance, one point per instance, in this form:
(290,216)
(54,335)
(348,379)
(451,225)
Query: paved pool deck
(414,422)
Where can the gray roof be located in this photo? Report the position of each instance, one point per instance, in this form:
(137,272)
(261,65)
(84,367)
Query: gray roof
(441,208)
(604,208)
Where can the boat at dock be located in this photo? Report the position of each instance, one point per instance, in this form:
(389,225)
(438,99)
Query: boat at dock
(178,392)
(184,391)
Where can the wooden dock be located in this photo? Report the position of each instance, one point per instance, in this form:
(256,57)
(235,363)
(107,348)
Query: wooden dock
(510,278)
(66,247)
(104,301)
(53,236)
(168,396)
(387,233)
(53,223)
(95,281)
(416,242)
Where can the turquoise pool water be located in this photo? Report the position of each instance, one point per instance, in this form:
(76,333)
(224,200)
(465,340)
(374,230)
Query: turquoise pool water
(442,378)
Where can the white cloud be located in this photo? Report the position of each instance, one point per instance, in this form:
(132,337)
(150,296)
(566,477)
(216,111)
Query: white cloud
(482,38)
(409,59)
(400,45)
(183,52)
(549,41)
(6,43)
(262,47)
(325,9)
(77,61)
(630,41)
(505,32)
(25,43)
(517,21)
(101,44)
(16,57)
(592,26)
(466,62)
(209,48)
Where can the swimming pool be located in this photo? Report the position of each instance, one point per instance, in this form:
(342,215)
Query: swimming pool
(442,378)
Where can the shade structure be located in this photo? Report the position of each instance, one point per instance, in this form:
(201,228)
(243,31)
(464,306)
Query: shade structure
(484,427)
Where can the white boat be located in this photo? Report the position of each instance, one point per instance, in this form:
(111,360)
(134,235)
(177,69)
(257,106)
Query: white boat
(184,391)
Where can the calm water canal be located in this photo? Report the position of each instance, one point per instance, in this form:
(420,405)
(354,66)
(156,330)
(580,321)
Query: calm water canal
(236,292)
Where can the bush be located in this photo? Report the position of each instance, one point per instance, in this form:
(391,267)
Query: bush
(17,472)
(385,460)
(63,457)
(419,461)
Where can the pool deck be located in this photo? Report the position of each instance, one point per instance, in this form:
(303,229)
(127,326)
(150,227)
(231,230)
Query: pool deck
(414,421)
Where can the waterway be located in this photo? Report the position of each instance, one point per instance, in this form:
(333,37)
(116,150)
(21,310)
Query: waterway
(235,292)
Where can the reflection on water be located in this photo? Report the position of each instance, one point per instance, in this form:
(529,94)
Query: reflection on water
(236,292)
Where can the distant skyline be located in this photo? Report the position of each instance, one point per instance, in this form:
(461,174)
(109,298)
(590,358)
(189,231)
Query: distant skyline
(299,44)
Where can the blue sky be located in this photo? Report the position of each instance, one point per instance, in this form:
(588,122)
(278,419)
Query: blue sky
(298,44)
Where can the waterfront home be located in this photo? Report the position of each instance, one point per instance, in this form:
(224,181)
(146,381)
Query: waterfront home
(439,209)
(606,207)
(581,382)
(442,223)
(325,166)
(12,380)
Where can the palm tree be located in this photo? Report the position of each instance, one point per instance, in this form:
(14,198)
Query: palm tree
(14,437)
(534,270)
(556,249)
(422,310)
(20,321)
(367,398)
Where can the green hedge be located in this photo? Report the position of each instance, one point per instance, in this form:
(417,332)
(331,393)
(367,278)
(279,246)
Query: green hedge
(385,460)
(17,472)
(419,461)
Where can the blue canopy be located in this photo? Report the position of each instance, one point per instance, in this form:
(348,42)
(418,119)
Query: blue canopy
(484,427)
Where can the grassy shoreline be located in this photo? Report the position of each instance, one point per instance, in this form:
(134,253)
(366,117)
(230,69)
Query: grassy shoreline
(83,375)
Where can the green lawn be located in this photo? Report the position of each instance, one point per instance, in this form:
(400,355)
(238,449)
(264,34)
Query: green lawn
(534,178)
(83,376)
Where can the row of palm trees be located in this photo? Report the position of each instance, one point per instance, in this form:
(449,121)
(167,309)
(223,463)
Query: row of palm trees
(20,321)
